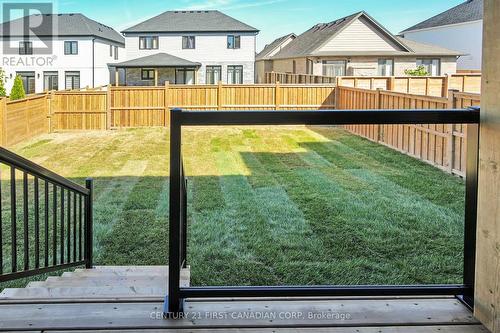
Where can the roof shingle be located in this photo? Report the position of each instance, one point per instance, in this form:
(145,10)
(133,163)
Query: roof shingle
(272,46)
(191,21)
(60,25)
(471,10)
(157,60)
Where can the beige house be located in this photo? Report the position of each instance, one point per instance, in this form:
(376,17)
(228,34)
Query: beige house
(355,45)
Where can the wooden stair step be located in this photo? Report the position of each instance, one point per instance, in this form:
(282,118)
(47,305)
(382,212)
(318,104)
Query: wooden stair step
(104,281)
(82,292)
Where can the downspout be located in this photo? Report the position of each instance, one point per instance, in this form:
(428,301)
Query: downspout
(93,62)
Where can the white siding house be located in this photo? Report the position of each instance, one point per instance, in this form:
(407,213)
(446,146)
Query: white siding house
(171,47)
(460,28)
(73,53)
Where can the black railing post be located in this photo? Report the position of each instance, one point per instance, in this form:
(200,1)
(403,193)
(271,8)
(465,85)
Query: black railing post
(174,256)
(470,226)
(89,184)
(184,218)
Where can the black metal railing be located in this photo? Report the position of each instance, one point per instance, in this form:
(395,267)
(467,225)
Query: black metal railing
(178,193)
(45,219)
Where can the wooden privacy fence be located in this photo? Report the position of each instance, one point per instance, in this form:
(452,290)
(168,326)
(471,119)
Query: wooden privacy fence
(118,107)
(23,119)
(286,78)
(427,85)
(150,106)
(443,146)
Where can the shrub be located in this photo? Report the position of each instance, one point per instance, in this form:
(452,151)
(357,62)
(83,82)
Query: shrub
(17,91)
(419,71)
(3,93)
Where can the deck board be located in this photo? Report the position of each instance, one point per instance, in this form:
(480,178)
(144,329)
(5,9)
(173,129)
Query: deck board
(379,329)
(241,314)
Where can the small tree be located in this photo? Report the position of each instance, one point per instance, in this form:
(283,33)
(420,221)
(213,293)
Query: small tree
(17,91)
(3,93)
(419,71)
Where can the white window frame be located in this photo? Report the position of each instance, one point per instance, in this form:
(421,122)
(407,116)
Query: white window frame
(432,65)
(383,65)
(334,66)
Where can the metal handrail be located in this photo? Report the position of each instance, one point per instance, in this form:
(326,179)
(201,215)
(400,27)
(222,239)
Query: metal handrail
(19,162)
(57,206)
(178,192)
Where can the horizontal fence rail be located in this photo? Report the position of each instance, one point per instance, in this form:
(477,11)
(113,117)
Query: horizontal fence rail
(421,85)
(45,219)
(178,194)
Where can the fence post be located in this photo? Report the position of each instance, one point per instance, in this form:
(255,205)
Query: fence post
(445,86)
(450,144)
(89,184)
(338,81)
(378,106)
(49,97)
(427,83)
(108,107)
(167,109)
(219,96)
(277,95)
(338,102)
(390,83)
(3,121)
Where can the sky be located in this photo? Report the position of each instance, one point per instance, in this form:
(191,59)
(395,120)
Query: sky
(274,18)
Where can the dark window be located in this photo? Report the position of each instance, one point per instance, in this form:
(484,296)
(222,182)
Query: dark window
(233,42)
(147,74)
(184,76)
(28,79)
(235,74)
(50,81)
(188,42)
(71,47)
(72,80)
(214,74)
(116,52)
(111,50)
(148,43)
(310,67)
(25,48)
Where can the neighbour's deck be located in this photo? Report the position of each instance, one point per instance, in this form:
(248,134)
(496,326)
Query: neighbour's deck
(131,299)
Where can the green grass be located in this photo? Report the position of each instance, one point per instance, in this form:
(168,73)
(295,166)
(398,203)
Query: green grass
(266,205)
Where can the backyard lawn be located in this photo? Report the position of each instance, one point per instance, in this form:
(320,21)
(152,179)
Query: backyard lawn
(269,205)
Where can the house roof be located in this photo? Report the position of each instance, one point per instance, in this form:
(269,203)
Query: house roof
(471,10)
(157,60)
(273,45)
(50,25)
(191,21)
(308,43)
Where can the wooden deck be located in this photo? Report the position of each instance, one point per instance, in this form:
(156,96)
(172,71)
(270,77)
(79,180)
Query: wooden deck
(130,299)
